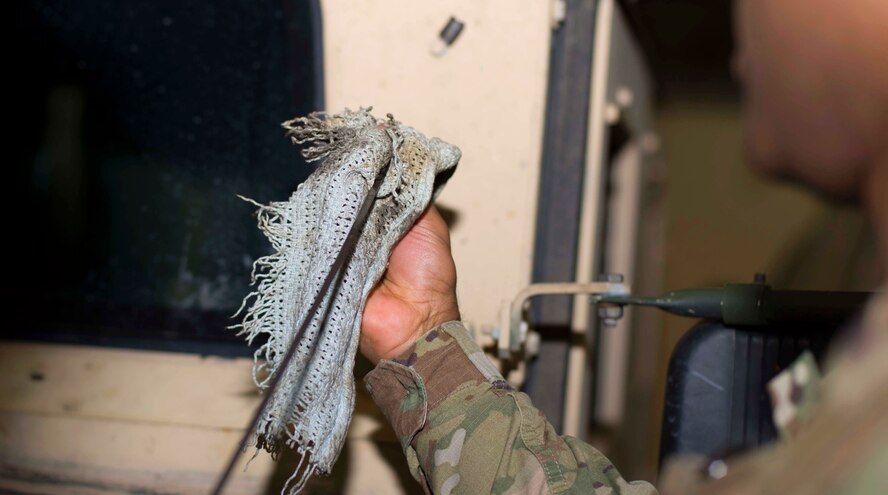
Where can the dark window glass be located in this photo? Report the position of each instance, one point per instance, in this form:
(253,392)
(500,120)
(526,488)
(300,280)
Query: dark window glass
(135,124)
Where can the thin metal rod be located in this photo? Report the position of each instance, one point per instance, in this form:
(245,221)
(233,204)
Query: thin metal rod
(336,269)
(510,337)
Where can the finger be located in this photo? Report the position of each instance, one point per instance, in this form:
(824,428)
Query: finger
(431,222)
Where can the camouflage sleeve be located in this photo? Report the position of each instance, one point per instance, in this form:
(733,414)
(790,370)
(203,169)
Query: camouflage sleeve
(465,430)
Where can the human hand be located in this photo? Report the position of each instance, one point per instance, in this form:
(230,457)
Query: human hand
(417,292)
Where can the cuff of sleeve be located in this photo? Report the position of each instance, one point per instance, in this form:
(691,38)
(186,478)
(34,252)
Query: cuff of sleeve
(439,363)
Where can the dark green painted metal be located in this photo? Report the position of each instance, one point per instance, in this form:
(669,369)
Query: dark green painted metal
(752,304)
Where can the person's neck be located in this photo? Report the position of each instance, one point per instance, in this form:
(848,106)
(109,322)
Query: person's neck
(876,201)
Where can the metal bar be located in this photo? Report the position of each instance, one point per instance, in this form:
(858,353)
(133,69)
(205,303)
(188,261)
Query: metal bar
(511,334)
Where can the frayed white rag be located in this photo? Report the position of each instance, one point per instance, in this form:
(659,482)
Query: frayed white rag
(311,408)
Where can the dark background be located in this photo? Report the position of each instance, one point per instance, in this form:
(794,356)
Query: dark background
(137,122)
(689,45)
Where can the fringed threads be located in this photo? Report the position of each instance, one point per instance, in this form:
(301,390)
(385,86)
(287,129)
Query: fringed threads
(326,132)
(309,470)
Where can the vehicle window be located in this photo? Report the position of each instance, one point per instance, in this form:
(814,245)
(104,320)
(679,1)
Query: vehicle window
(135,123)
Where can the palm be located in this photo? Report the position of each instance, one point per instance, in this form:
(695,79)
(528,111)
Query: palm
(416,293)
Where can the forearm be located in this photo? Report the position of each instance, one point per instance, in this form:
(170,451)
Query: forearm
(465,430)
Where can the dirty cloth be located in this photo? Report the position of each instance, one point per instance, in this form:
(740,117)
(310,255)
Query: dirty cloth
(311,408)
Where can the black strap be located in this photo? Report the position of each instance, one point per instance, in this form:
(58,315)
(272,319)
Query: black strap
(338,266)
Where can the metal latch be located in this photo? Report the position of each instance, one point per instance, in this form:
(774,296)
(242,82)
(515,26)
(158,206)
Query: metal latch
(512,332)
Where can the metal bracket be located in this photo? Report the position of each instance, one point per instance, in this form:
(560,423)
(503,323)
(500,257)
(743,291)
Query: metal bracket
(513,329)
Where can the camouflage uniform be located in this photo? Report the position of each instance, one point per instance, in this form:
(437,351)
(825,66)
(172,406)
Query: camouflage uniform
(465,430)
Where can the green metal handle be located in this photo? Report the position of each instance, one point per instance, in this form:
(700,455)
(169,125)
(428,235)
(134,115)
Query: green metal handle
(753,304)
